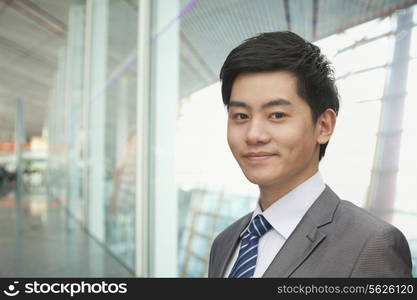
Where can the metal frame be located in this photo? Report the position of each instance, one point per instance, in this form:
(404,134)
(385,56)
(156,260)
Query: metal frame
(158,85)
(142,140)
(86,107)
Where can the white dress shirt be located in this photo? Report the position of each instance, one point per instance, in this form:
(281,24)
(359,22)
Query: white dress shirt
(284,215)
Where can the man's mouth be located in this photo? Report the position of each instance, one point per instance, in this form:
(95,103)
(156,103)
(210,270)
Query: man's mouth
(258,156)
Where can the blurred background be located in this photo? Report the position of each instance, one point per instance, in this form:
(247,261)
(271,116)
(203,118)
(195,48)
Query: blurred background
(113,153)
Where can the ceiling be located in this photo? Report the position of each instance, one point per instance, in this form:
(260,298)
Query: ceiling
(33,31)
(211,29)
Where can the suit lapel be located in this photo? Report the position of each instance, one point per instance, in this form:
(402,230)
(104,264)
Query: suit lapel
(231,243)
(305,237)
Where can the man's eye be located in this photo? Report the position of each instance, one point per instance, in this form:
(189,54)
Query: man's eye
(240,116)
(277,115)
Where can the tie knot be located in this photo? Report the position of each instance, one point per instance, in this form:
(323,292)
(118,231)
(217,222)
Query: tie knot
(259,226)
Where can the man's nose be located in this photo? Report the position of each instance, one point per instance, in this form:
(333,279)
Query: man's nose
(257,133)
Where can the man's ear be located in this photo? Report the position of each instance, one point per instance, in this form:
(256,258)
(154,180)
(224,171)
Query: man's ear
(325,125)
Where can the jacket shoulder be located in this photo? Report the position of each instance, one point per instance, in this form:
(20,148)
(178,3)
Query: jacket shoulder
(384,251)
(361,218)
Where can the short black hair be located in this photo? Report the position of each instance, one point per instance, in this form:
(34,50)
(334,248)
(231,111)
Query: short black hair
(285,51)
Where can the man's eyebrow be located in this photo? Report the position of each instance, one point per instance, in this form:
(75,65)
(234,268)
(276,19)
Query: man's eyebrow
(276,102)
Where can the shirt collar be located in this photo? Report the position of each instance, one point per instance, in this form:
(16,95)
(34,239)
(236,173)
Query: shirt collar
(285,213)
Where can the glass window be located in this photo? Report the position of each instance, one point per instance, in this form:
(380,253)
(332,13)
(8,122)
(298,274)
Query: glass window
(120,130)
(93,123)
(365,56)
(363,86)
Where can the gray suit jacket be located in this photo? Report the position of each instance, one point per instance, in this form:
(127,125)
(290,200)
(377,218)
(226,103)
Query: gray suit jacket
(335,238)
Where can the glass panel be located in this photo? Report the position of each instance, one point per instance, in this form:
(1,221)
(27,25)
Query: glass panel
(202,149)
(365,56)
(212,190)
(369,29)
(354,140)
(120,130)
(363,86)
(65,166)
(93,152)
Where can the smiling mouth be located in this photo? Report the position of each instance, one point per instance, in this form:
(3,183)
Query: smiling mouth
(259,157)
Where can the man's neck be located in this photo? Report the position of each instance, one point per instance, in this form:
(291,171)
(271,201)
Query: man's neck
(272,193)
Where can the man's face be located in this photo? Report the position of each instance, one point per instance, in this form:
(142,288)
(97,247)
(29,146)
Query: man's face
(270,129)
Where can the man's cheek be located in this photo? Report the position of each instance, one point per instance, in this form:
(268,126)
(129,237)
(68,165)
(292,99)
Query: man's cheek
(232,140)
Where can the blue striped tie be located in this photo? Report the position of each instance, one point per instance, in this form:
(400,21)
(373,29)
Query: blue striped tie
(245,264)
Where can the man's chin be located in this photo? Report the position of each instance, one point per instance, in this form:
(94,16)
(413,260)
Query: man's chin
(262,181)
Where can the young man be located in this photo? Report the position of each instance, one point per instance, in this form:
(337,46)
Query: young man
(282,104)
